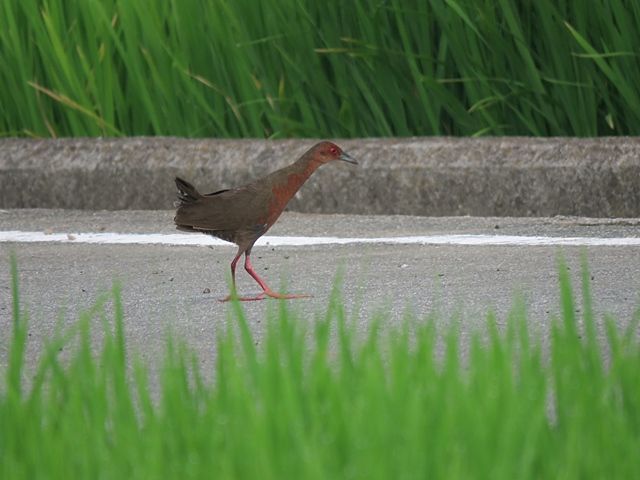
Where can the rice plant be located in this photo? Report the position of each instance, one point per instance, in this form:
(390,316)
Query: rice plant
(290,68)
(312,400)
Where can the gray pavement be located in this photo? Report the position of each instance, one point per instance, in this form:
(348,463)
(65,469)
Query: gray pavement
(163,286)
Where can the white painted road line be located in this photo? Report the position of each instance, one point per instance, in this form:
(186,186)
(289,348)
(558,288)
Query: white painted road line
(194,239)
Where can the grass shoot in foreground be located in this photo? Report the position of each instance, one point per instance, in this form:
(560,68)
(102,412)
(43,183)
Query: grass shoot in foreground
(327,404)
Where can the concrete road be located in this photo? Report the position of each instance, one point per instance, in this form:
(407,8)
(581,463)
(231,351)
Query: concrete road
(176,288)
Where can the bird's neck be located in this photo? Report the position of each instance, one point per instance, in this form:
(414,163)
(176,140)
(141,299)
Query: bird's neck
(292,178)
(286,182)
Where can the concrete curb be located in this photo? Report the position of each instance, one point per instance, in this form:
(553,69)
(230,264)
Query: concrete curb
(506,176)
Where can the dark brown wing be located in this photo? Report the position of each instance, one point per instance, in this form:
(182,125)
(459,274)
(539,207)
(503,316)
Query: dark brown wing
(240,209)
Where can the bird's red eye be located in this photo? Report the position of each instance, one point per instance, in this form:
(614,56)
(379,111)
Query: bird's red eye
(334,151)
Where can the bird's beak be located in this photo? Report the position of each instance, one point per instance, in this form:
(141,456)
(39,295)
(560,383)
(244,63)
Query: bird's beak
(345,157)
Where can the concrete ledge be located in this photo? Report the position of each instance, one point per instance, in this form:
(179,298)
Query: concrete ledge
(506,176)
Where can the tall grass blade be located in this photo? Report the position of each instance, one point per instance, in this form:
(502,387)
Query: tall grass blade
(208,68)
(324,400)
(18,338)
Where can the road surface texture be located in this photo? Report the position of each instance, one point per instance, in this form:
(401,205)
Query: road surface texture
(176,288)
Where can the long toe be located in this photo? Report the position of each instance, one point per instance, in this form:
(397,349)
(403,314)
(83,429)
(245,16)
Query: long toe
(244,299)
(283,296)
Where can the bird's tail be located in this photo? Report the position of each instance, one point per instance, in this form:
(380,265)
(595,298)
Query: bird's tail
(188,200)
(187,193)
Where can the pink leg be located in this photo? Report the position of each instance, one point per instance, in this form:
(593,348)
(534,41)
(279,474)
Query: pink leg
(265,287)
(234,293)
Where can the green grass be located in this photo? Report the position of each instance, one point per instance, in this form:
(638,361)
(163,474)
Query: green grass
(325,404)
(299,68)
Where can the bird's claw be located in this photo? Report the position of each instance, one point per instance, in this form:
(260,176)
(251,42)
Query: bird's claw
(263,295)
(283,296)
(243,299)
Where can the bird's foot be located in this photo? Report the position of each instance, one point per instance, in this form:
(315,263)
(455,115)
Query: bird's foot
(243,299)
(264,295)
(281,296)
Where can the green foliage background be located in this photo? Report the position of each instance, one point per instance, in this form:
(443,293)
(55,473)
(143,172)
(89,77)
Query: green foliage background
(300,68)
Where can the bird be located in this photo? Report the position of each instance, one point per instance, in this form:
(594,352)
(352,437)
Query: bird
(242,215)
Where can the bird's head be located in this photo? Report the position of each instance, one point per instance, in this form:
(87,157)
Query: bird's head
(325,152)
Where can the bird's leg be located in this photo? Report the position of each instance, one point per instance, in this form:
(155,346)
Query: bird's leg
(234,293)
(265,287)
